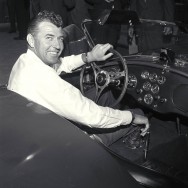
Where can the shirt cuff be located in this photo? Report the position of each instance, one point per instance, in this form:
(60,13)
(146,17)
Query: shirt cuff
(69,63)
(127,118)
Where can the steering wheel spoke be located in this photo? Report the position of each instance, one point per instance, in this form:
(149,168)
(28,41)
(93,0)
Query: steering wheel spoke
(116,75)
(95,67)
(99,91)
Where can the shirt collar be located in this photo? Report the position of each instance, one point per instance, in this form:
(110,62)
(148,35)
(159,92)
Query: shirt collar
(34,56)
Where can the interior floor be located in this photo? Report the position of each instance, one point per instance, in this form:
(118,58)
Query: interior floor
(167,151)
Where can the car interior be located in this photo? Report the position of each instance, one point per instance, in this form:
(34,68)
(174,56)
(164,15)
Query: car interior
(154,81)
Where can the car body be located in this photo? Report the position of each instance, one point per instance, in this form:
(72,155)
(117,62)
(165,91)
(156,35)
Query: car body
(45,150)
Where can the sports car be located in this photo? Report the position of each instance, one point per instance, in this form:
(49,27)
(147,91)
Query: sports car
(45,150)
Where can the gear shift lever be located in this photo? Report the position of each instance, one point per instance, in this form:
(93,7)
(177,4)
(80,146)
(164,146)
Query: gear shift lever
(147,144)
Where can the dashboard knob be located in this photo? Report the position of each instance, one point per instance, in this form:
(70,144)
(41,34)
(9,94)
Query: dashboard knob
(163,100)
(138,91)
(139,99)
(156,97)
(155,105)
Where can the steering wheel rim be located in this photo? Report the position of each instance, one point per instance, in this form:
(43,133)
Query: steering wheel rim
(94,66)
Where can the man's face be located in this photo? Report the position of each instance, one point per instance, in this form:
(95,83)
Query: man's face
(48,42)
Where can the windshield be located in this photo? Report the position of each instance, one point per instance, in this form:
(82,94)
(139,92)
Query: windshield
(130,35)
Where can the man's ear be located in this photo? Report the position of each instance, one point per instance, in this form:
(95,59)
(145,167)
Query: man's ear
(30,40)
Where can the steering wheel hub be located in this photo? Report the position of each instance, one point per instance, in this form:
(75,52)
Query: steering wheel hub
(102,78)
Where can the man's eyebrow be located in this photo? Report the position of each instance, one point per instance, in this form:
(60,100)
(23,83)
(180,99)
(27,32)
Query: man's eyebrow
(51,35)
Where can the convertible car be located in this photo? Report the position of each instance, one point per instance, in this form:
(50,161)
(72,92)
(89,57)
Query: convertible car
(39,149)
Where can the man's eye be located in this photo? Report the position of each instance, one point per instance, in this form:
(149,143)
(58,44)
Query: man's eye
(62,39)
(49,38)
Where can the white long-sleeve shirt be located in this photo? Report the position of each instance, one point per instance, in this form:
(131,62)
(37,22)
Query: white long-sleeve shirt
(40,83)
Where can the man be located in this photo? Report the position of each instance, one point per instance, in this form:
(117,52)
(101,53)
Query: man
(35,76)
(153,36)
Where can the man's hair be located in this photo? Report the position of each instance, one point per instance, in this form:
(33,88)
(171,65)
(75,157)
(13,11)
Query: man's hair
(44,16)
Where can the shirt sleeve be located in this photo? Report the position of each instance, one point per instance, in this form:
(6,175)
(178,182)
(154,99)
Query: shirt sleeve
(69,63)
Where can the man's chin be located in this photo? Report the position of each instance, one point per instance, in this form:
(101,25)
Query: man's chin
(52,61)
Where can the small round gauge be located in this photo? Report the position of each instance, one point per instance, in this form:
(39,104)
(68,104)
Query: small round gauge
(153,77)
(145,75)
(148,99)
(132,81)
(161,79)
(155,89)
(147,86)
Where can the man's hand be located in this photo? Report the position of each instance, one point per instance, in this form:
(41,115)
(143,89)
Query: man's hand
(141,120)
(98,53)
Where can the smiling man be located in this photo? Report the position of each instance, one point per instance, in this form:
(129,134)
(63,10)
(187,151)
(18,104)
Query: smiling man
(35,76)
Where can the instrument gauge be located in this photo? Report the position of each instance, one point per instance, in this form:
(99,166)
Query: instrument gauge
(161,79)
(148,99)
(147,86)
(155,89)
(153,77)
(145,75)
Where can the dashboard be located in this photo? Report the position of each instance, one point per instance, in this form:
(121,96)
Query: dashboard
(159,86)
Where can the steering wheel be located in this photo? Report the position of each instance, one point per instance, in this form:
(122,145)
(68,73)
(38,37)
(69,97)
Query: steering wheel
(103,78)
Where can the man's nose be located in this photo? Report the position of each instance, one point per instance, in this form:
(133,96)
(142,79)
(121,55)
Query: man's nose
(56,43)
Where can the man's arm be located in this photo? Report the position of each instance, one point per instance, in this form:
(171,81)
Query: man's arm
(67,101)
(69,63)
